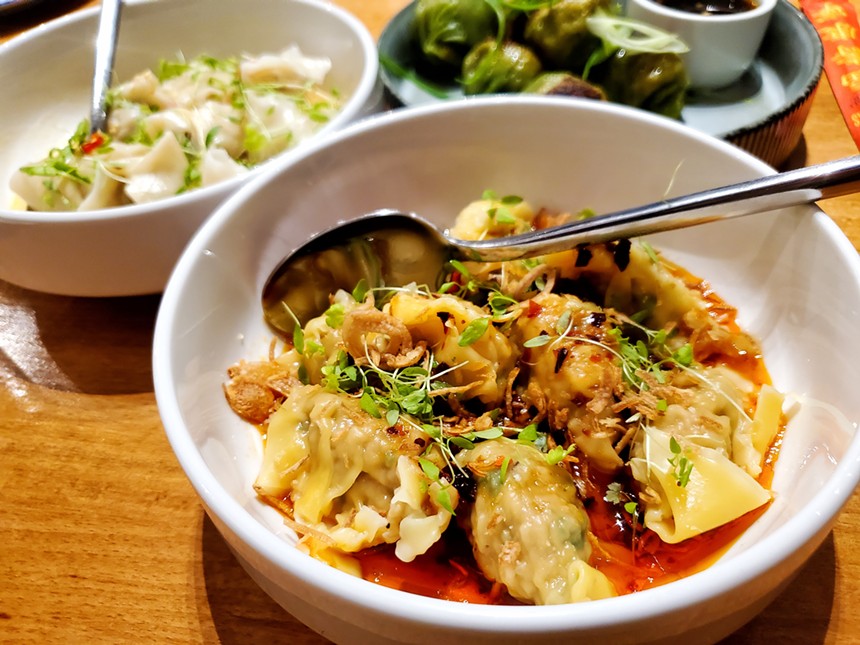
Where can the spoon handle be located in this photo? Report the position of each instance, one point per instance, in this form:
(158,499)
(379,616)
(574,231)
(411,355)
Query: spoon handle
(105,53)
(804,185)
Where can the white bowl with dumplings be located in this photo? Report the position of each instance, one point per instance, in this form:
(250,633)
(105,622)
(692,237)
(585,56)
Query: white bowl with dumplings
(781,270)
(130,249)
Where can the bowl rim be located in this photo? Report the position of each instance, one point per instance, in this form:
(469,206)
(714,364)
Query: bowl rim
(350,111)
(679,15)
(795,17)
(718,579)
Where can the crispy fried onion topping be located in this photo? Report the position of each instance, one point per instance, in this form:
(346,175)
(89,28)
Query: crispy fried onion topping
(371,335)
(256,389)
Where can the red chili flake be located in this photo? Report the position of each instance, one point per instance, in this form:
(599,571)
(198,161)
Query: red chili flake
(92,144)
(533,309)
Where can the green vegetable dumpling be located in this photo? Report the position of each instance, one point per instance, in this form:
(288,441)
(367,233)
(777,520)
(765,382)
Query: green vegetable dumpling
(656,82)
(560,34)
(564,84)
(490,68)
(446,30)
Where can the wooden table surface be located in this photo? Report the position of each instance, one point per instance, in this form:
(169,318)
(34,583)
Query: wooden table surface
(102,538)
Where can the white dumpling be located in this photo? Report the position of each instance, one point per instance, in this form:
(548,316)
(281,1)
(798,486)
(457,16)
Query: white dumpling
(290,66)
(158,174)
(142,88)
(278,120)
(217,166)
(105,191)
(567,374)
(176,121)
(218,125)
(752,440)
(123,120)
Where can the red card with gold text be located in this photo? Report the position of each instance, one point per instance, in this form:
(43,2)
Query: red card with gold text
(836,24)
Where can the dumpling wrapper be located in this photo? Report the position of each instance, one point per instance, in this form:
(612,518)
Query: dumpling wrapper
(528,528)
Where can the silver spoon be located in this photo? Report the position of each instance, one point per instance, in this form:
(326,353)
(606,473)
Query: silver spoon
(388,248)
(108,31)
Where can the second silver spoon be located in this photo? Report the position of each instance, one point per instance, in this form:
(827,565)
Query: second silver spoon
(106,39)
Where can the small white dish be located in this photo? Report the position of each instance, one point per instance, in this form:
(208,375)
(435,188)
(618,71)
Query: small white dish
(130,250)
(722,46)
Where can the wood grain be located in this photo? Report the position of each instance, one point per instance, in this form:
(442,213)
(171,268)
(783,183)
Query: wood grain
(102,539)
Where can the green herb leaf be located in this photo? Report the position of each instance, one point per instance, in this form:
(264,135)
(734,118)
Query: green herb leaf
(443,498)
(558,453)
(391,416)
(538,341)
(299,339)
(529,434)
(334,316)
(562,325)
(369,405)
(430,469)
(360,290)
(474,331)
(682,467)
(684,355)
(460,268)
(489,433)
(462,442)
(503,471)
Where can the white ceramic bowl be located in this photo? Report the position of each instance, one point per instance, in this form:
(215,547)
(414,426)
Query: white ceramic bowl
(722,46)
(131,249)
(793,275)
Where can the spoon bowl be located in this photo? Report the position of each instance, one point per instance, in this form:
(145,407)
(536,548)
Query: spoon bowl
(388,248)
(384,248)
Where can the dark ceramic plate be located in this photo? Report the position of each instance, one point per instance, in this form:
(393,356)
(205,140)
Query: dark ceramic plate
(763,112)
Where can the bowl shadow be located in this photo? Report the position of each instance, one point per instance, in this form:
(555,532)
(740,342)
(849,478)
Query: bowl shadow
(85,345)
(813,589)
(241,612)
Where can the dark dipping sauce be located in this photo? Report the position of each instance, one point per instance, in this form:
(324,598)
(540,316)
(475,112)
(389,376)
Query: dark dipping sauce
(710,7)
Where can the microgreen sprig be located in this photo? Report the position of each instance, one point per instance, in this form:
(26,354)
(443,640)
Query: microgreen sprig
(682,467)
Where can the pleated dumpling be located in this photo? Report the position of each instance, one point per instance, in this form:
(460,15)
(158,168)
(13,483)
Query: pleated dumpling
(158,174)
(288,66)
(352,480)
(461,336)
(528,528)
(572,378)
(492,218)
(691,487)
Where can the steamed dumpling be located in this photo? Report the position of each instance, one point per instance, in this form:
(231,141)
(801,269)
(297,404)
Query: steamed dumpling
(528,528)
(350,477)
(482,365)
